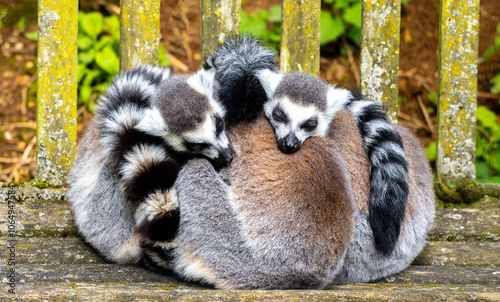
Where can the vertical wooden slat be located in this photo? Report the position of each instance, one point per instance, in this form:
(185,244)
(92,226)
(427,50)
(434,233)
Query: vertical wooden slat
(380,52)
(458,44)
(300,36)
(139,32)
(219,19)
(57,89)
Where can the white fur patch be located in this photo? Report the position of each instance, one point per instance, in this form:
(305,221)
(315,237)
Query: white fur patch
(336,100)
(152,123)
(202,81)
(129,252)
(156,203)
(140,158)
(269,80)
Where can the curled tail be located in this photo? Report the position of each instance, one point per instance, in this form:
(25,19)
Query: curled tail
(236,62)
(125,101)
(143,164)
(389,171)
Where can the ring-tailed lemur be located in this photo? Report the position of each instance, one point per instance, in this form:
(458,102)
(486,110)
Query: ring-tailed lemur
(278,221)
(147,125)
(300,106)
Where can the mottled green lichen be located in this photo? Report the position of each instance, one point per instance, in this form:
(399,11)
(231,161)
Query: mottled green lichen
(57,89)
(139,32)
(380,52)
(457,88)
(300,36)
(219,20)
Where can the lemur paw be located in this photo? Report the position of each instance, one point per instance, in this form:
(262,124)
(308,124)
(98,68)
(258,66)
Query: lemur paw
(128,252)
(157,218)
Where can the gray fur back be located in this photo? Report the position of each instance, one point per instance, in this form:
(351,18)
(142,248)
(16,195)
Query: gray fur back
(364,262)
(101,214)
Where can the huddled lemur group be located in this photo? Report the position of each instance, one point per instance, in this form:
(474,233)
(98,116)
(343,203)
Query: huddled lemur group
(244,177)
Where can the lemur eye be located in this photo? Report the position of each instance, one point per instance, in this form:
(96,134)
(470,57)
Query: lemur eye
(279,115)
(219,126)
(195,147)
(309,125)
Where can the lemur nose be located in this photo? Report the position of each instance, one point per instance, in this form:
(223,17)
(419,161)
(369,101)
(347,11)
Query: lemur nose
(289,144)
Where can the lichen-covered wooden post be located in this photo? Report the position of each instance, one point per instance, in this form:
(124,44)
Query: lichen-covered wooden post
(300,36)
(57,90)
(139,32)
(219,19)
(380,52)
(458,43)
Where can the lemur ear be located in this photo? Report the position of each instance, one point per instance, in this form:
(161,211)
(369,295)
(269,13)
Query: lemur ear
(336,99)
(202,81)
(152,123)
(269,80)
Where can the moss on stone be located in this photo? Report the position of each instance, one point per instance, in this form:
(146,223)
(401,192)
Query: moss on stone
(467,192)
(13,183)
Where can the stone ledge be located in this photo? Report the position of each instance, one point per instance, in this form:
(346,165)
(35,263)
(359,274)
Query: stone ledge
(163,292)
(76,251)
(112,273)
(28,194)
(41,219)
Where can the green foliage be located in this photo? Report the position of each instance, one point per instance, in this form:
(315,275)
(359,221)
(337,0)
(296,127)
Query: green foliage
(487,55)
(3,13)
(487,147)
(342,19)
(32,35)
(488,142)
(332,28)
(98,54)
(433,98)
(431,151)
(339,19)
(265,25)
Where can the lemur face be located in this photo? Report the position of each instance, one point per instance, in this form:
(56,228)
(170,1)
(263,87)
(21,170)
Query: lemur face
(296,108)
(292,123)
(185,114)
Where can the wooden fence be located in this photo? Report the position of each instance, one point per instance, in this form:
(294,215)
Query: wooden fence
(459,24)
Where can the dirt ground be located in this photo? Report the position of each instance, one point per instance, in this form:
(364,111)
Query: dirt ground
(180,28)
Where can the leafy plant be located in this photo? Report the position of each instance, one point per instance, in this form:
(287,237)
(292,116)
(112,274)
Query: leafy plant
(98,54)
(342,19)
(265,25)
(487,143)
(487,146)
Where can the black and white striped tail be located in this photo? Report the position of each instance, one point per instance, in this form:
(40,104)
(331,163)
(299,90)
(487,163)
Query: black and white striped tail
(389,171)
(144,167)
